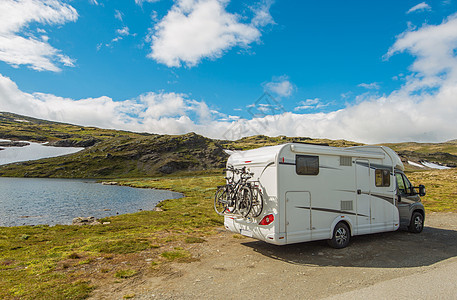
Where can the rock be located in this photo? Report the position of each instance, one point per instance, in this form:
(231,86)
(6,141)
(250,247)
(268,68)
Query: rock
(157,209)
(85,221)
(110,183)
(74,143)
(14,144)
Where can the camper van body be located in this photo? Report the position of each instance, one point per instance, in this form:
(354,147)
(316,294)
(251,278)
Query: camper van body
(309,189)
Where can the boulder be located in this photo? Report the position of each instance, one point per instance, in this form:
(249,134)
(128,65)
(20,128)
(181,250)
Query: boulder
(85,221)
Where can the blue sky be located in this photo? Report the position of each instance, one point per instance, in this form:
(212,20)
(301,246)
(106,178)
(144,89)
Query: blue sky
(370,71)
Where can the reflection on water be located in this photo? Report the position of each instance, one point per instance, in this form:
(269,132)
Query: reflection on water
(32,152)
(33,201)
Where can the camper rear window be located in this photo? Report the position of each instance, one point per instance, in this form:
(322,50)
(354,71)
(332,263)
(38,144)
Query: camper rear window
(382,177)
(307,164)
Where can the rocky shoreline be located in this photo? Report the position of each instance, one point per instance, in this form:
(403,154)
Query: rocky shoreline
(13,144)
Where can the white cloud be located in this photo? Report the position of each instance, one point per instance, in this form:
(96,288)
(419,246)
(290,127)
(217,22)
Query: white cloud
(262,16)
(419,7)
(19,46)
(280,86)
(123,31)
(310,104)
(197,29)
(170,113)
(118,15)
(93,2)
(369,86)
(140,2)
(423,109)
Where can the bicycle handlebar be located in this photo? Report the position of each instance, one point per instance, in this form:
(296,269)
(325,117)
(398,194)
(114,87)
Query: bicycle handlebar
(244,174)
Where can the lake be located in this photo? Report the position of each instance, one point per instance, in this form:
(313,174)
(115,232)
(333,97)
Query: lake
(34,201)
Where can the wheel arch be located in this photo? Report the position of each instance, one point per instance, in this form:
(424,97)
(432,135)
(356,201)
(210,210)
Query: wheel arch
(417,207)
(343,219)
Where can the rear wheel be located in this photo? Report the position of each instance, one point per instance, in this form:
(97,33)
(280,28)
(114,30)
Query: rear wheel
(341,236)
(417,223)
(244,201)
(221,200)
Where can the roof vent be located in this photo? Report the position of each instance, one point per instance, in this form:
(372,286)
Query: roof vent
(347,205)
(345,161)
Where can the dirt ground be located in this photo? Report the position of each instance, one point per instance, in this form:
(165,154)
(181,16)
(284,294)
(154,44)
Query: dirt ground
(228,267)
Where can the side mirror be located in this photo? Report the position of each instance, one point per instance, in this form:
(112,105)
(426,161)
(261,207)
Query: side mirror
(421,190)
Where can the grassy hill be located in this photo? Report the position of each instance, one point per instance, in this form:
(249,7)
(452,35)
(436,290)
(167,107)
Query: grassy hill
(115,153)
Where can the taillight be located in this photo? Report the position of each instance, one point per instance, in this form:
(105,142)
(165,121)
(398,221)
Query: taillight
(267,220)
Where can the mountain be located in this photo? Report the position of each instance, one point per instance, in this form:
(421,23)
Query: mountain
(116,153)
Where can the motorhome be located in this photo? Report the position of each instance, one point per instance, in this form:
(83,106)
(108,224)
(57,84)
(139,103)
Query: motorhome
(313,192)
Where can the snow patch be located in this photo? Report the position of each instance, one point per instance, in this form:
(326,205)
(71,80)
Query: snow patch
(434,166)
(415,164)
(33,151)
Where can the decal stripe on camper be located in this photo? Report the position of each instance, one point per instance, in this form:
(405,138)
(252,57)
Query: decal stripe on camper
(332,210)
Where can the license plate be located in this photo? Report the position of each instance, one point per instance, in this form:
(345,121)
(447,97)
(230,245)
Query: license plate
(246,232)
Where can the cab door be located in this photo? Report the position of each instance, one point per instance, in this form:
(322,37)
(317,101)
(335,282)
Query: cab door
(405,198)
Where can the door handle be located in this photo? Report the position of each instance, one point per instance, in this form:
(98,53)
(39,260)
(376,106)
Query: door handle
(359,192)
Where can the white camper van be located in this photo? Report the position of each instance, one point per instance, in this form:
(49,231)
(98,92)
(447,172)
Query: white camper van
(313,192)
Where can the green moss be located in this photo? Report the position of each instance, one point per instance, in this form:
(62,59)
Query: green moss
(194,240)
(175,255)
(121,246)
(41,260)
(125,273)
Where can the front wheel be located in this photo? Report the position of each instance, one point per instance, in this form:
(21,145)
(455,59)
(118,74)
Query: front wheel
(417,223)
(221,199)
(341,236)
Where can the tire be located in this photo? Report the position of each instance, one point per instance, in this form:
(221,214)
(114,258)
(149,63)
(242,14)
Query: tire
(257,202)
(417,223)
(244,201)
(221,200)
(341,236)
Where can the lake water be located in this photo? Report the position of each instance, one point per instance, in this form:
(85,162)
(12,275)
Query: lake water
(34,201)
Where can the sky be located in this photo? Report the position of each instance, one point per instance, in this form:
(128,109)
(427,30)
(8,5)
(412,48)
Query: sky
(366,71)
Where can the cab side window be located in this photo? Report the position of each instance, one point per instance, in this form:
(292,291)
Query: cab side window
(408,185)
(400,183)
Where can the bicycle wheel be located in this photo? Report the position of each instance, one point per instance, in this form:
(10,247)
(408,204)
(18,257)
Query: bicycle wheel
(244,201)
(257,202)
(221,200)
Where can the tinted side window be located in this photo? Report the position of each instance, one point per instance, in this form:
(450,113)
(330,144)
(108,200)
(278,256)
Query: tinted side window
(307,164)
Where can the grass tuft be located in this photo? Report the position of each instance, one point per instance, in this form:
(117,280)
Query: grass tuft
(74,255)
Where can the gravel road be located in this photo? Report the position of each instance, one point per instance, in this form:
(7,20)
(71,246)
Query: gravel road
(387,265)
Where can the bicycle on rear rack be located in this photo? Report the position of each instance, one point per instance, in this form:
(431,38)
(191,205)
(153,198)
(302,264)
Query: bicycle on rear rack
(239,195)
